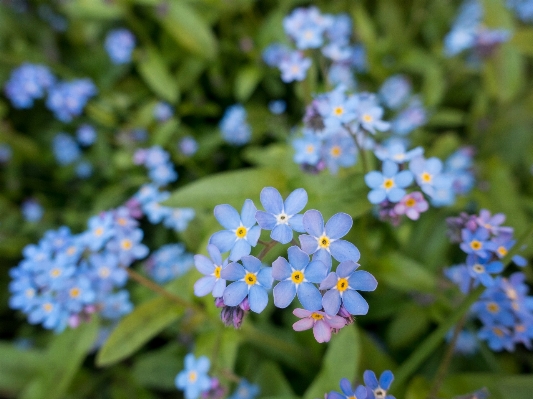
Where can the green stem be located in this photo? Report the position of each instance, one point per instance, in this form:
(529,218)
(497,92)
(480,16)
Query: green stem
(268,246)
(360,149)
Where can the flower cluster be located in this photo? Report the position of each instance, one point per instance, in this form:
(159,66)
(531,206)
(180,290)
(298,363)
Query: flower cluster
(504,309)
(522,8)
(298,275)
(157,161)
(469,33)
(234,127)
(307,28)
(195,382)
(27,83)
(168,262)
(373,388)
(68,99)
(66,277)
(119,44)
(67,151)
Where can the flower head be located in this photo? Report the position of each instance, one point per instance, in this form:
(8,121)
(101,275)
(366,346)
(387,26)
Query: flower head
(194,379)
(321,323)
(387,185)
(119,44)
(211,268)
(378,389)
(348,392)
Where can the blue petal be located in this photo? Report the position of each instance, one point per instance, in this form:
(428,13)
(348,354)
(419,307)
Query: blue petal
(395,194)
(316,271)
(338,225)
(251,263)
(404,178)
(233,272)
(296,223)
(434,165)
(346,268)
(281,270)
(227,216)
(266,220)
(354,303)
(297,258)
(362,280)
(370,379)
(253,235)
(264,277)
(240,249)
(204,285)
(181,380)
(374,179)
(309,244)
(224,240)
(203,264)
(202,364)
(376,196)
(323,256)
(335,395)
(331,302)
(235,293)
(386,379)
(248,214)
(389,168)
(361,392)
(296,201)
(214,253)
(271,200)
(329,281)
(346,387)
(343,250)
(309,296)
(218,289)
(313,222)
(190,362)
(284,294)
(258,298)
(282,234)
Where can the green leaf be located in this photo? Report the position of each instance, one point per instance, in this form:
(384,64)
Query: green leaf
(155,73)
(246,81)
(98,9)
(405,274)
(341,361)
(523,40)
(409,323)
(272,381)
(137,328)
(187,27)
(227,188)
(63,359)
(158,368)
(222,343)
(504,73)
(18,367)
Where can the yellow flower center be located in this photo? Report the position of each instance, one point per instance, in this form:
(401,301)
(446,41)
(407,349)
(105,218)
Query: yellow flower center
(388,184)
(342,284)
(476,245)
(493,307)
(250,278)
(324,242)
(48,307)
(297,277)
(478,268)
(511,293)
(241,232)
(497,331)
(55,272)
(310,149)
(295,68)
(317,316)
(520,328)
(216,273)
(338,111)
(426,177)
(122,221)
(193,376)
(98,232)
(30,292)
(367,118)
(502,251)
(410,202)
(71,250)
(104,272)
(335,151)
(75,292)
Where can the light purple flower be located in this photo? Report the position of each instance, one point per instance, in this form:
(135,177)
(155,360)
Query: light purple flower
(320,322)
(412,205)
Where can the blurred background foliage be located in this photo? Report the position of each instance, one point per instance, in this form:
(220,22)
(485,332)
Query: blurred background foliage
(202,56)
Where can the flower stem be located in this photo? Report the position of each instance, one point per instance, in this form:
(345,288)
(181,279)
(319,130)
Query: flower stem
(360,149)
(268,246)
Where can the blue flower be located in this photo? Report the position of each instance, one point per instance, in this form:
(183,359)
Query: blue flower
(482,268)
(325,242)
(294,67)
(281,217)
(68,99)
(188,146)
(86,135)
(168,262)
(410,118)
(234,127)
(296,277)
(249,280)
(194,379)
(348,392)
(387,185)
(119,44)
(337,109)
(427,173)
(27,83)
(339,150)
(477,242)
(369,115)
(307,150)
(211,268)
(32,210)
(245,390)
(241,232)
(395,150)
(179,218)
(395,91)
(163,111)
(277,107)
(375,389)
(498,337)
(65,149)
(342,287)
(116,305)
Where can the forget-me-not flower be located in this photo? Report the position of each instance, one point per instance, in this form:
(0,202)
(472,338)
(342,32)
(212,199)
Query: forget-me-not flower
(378,389)
(281,216)
(387,185)
(348,392)
(211,282)
(194,379)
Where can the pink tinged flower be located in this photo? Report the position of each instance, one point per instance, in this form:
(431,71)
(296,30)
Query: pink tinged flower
(321,323)
(412,205)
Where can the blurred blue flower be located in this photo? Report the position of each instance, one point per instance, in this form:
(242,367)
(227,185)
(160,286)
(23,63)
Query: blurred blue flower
(119,44)
(27,83)
(294,67)
(234,127)
(388,185)
(5,153)
(32,211)
(277,107)
(188,146)
(245,390)
(348,392)
(84,169)
(65,148)
(163,111)
(68,99)
(395,91)
(194,379)
(86,134)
